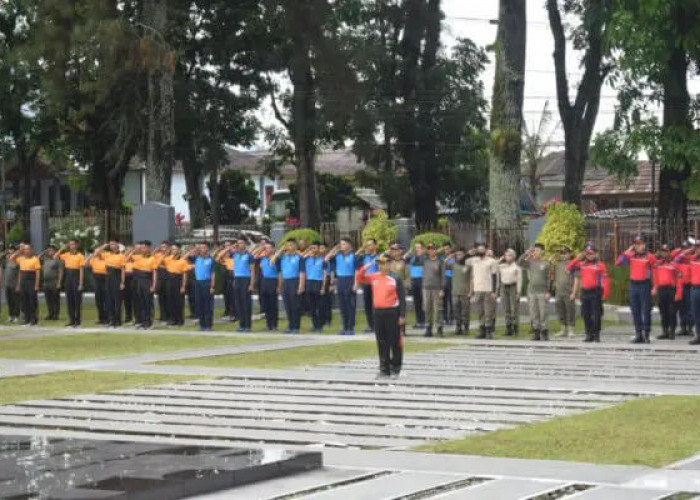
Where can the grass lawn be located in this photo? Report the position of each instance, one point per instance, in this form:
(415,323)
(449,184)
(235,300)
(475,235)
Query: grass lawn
(59,384)
(99,345)
(653,432)
(303,356)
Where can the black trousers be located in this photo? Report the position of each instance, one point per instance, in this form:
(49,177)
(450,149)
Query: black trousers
(230,304)
(53,302)
(30,303)
(347,300)
(204,303)
(369,307)
(176,299)
(327,304)
(114,296)
(269,302)
(313,303)
(143,298)
(100,281)
(292,303)
(243,300)
(389,344)
(13,301)
(190,295)
(74,296)
(417,294)
(591,309)
(447,304)
(161,288)
(128,297)
(666,296)
(684,309)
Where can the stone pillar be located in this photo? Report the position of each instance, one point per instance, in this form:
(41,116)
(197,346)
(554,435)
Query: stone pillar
(39,227)
(154,222)
(277,232)
(407,230)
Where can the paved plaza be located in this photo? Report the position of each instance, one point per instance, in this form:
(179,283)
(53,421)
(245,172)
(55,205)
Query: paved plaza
(367,429)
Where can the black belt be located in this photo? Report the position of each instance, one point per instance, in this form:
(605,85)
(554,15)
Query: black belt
(142,274)
(639,282)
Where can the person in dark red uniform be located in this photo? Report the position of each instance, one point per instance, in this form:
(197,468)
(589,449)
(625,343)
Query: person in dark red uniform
(666,274)
(590,275)
(685,318)
(641,263)
(691,256)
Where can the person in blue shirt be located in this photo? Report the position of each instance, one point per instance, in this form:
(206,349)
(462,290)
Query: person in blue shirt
(415,261)
(447,305)
(344,264)
(368,255)
(327,289)
(204,284)
(243,283)
(270,284)
(314,275)
(290,265)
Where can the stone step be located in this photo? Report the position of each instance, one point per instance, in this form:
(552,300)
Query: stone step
(502,489)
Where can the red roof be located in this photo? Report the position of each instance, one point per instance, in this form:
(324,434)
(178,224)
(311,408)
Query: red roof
(641,184)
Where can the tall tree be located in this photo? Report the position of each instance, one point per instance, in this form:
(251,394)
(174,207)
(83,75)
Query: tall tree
(506,123)
(578,117)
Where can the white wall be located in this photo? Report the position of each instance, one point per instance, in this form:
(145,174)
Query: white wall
(178,189)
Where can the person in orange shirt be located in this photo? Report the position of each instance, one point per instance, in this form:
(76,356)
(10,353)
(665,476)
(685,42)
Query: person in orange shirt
(74,263)
(145,282)
(115,261)
(98,266)
(178,269)
(28,283)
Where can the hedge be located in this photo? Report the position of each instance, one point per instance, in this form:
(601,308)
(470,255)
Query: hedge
(438,239)
(309,235)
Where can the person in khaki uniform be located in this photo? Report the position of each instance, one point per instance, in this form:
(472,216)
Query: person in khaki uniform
(563,285)
(484,284)
(461,291)
(539,289)
(433,286)
(510,283)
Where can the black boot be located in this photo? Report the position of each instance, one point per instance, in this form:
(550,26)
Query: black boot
(482,332)
(536,334)
(638,338)
(459,330)
(589,336)
(516,330)
(684,331)
(695,341)
(647,337)
(428,332)
(596,337)
(672,333)
(492,330)
(665,335)
(439,332)
(509,330)
(466,328)
(545,335)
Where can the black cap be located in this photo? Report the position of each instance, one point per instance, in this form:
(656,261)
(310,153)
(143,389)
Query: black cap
(640,238)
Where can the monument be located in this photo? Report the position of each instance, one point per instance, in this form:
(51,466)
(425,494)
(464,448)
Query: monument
(154,222)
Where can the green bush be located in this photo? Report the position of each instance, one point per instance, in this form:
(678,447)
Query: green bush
(566,225)
(438,239)
(303,234)
(382,229)
(620,293)
(16,234)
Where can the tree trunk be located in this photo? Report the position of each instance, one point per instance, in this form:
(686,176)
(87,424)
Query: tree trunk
(575,161)
(215,204)
(673,202)
(161,107)
(195,201)
(506,125)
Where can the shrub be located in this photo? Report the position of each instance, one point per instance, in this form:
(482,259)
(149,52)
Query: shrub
(303,234)
(620,275)
(382,229)
(566,225)
(16,234)
(438,239)
(87,235)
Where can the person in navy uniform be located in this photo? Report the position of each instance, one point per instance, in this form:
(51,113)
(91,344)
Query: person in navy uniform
(205,284)
(641,263)
(314,275)
(290,264)
(243,283)
(270,284)
(344,264)
(367,256)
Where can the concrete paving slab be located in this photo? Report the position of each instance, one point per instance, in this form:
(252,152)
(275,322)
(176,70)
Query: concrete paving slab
(502,489)
(674,480)
(615,493)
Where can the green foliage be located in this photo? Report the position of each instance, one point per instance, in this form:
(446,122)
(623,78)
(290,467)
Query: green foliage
(566,225)
(438,239)
(334,194)
(237,197)
(620,292)
(16,234)
(382,229)
(87,234)
(309,235)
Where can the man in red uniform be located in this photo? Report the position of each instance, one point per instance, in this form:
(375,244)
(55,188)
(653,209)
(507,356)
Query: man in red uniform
(691,257)
(389,302)
(641,263)
(685,318)
(590,274)
(666,276)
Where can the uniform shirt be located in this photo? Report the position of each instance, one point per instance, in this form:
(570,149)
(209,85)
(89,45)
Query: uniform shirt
(50,270)
(241,264)
(665,274)
(640,265)
(398,267)
(433,274)
(592,272)
(158,258)
(415,263)
(73,261)
(693,277)
(370,259)
(461,278)
(228,263)
(203,268)
(510,274)
(267,268)
(98,265)
(484,269)
(29,264)
(290,266)
(539,273)
(563,282)
(115,260)
(177,266)
(345,265)
(448,267)
(129,267)
(387,290)
(313,268)
(145,264)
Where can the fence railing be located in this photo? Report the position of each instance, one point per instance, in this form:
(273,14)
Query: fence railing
(111,223)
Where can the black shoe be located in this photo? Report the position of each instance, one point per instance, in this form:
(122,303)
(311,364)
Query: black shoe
(428,332)
(545,335)
(482,333)
(589,337)
(684,332)
(695,341)
(672,334)
(647,338)
(638,338)
(596,337)
(459,330)
(664,336)
(536,335)
(439,331)
(68,325)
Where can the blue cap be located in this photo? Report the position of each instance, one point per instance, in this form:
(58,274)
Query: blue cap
(590,247)
(640,237)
